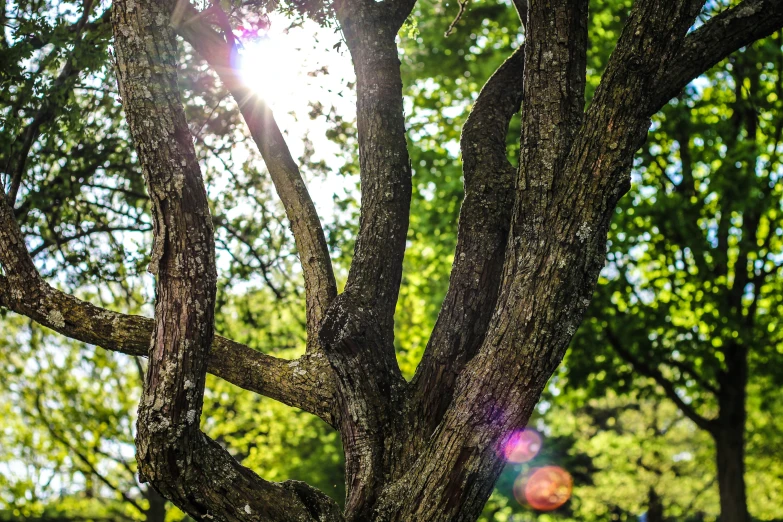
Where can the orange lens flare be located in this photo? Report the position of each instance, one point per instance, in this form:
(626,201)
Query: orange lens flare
(545,489)
(521,446)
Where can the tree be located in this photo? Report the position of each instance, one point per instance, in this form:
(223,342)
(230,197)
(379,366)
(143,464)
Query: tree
(691,301)
(530,246)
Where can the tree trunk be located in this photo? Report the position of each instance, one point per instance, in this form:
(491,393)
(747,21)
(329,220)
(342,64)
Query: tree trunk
(157,510)
(729,442)
(654,507)
(410,454)
(729,438)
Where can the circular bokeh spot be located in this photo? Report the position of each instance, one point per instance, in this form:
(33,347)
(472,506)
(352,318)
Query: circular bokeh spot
(521,446)
(545,488)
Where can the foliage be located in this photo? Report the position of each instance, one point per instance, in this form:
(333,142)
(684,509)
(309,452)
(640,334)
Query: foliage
(693,272)
(67,430)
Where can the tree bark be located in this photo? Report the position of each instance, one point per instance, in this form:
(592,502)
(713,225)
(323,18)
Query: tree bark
(730,444)
(320,286)
(484,222)
(182,463)
(358,329)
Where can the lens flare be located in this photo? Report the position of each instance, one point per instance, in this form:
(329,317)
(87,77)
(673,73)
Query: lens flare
(549,488)
(545,489)
(521,446)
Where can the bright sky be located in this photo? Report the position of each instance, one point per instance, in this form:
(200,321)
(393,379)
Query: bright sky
(291,68)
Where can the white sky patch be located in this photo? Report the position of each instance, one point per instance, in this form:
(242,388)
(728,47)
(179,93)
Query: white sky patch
(292,68)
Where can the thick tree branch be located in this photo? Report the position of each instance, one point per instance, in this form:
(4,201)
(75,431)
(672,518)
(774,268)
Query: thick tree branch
(358,329)
(498,388)
(634,67)
(385,172)
(369,400)
(720,36)
(666,385)
(320,286)
(187,467)
(304,383)
(484,221)
(572,172)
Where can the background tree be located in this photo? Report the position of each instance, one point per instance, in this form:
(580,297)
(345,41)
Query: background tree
(392,453)
(691,299)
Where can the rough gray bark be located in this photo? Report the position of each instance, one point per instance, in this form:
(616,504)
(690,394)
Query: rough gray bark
(485,218)
(303,383)
(530,246)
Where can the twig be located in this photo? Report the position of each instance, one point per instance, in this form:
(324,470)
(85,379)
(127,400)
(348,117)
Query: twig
(463,4)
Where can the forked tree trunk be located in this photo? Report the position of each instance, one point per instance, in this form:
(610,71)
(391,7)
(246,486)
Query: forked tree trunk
(423,451)
(410,456)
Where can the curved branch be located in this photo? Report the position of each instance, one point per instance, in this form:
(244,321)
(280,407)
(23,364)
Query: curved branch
(304,384)
(385,171)
(544,265)
(358,329)
(652,37)
(720,36)
(668,387)
(320,286)
(484,222)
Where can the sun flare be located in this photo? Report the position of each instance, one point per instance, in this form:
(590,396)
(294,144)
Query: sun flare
(275,71)
(292,67)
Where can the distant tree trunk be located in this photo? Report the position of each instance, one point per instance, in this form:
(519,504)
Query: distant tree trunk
(731,475)
(157,510)
(729,437)
(654,506)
